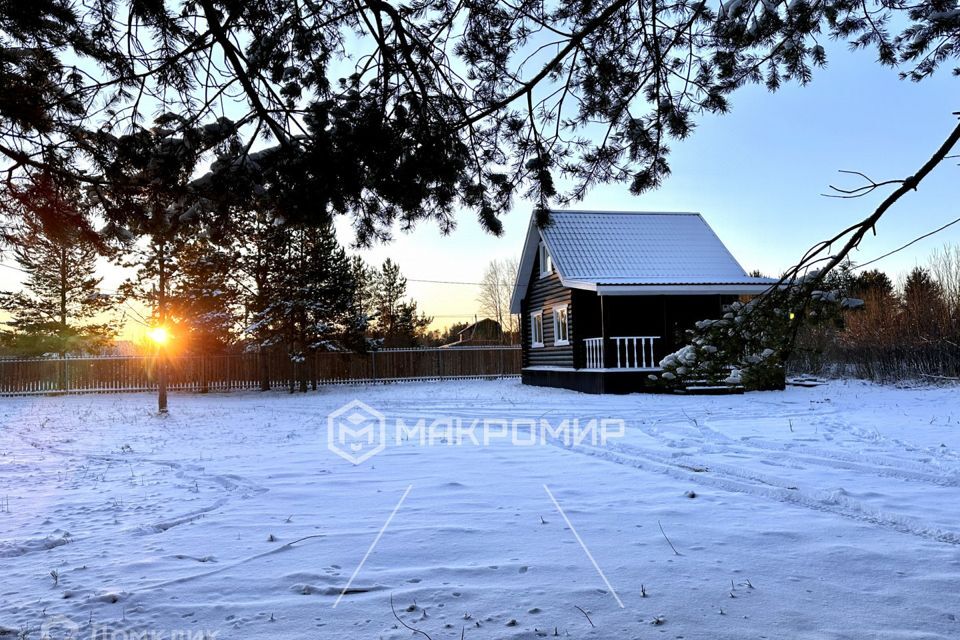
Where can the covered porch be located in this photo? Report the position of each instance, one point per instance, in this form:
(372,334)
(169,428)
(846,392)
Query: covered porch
(623,334)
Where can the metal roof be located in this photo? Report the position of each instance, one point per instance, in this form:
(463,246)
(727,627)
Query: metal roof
(618,252)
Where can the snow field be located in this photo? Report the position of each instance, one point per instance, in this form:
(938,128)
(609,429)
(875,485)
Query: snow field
(831,512)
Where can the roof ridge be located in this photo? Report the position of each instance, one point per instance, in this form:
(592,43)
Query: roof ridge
(628,213)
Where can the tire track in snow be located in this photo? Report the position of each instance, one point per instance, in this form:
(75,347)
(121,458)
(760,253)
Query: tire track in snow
(740,480)
(736,480)
(878,465)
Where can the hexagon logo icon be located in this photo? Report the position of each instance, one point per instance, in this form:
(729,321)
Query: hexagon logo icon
(356,432)
(59,627)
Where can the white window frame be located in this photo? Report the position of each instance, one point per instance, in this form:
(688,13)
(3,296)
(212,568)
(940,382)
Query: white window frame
(557,311)
(536,318)
(546,262)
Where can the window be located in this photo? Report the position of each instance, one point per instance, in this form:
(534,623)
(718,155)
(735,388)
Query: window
(536,329)
(546,263)
(561,331)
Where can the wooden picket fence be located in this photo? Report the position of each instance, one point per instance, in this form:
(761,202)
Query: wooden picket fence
(253,371)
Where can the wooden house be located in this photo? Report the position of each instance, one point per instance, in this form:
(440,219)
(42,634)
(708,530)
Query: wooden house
(605,296)
(481,333)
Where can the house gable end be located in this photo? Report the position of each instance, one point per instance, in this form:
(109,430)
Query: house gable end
(546,295)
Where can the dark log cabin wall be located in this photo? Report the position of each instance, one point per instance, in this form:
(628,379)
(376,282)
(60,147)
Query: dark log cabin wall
(545,294)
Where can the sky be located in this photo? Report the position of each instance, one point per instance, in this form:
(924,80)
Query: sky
(756,174)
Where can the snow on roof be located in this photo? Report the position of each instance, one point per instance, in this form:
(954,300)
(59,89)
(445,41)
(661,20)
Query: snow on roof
(592,249)
(638,248)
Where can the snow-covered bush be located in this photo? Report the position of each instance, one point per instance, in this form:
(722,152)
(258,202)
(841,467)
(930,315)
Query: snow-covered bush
(750,344)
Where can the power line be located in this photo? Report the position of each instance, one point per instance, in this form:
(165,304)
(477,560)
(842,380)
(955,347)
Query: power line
(453,315)
(445,282)
(12,267)
(914,241)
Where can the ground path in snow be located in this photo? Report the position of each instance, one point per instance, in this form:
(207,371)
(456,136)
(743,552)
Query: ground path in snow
(829,512)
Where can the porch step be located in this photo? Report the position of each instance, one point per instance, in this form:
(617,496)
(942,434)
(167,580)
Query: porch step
(805,381)
(707,388)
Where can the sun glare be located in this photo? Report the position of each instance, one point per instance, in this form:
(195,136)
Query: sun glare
(159,335)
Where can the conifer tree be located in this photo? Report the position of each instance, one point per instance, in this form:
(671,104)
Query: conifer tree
(60,308)
(363,280)
(315,295)
(297,286)
(397,322)
(155,198)
(924,307)
(203,298)
(254,241)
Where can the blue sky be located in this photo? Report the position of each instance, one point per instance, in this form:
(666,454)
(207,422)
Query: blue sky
(756,174)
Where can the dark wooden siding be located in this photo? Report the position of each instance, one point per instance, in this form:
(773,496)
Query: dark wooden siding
(545,294)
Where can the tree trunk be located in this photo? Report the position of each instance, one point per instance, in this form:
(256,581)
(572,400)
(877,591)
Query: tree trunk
(64,283)
(161,349)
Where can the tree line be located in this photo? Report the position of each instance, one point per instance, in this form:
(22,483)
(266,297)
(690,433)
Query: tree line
(253,285)
(909,329)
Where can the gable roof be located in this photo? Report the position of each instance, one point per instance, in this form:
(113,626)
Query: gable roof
(635,253)
(473,326)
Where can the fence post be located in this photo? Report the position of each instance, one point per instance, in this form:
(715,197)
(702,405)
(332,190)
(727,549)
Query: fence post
(263,370)
(373,360)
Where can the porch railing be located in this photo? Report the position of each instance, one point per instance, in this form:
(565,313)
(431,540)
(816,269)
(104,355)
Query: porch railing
(635,352)
(594,352)
(631,352)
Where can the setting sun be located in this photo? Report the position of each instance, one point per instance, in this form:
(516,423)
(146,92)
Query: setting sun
(159,335)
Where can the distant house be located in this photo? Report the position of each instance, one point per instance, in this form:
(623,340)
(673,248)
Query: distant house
(480,333)
(605,296)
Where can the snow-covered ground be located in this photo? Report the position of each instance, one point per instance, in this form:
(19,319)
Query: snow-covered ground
(831,512)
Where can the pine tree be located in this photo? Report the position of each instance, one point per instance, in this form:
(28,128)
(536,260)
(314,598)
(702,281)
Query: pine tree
(203,298)
(256,240)
(58,308)
(297,286)
(873,283)
(924,308)
(363,280)
(153,198)
(397,323)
